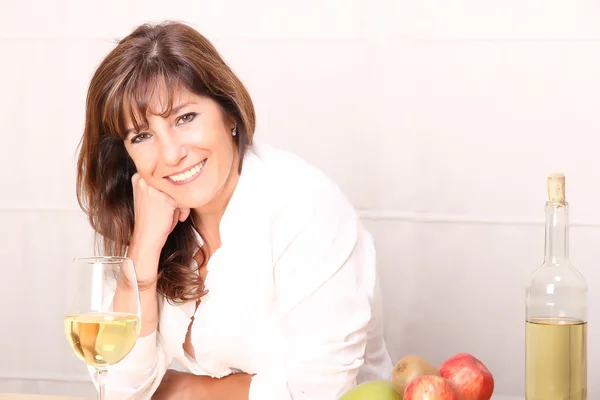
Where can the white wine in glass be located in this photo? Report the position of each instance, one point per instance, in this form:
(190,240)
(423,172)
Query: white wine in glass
(103,305)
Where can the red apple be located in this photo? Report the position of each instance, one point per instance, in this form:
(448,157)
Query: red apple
(470,376)
(431,387)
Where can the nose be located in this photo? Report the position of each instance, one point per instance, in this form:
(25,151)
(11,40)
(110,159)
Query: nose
(172,150)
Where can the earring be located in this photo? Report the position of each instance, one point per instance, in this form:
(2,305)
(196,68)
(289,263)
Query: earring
(234,131)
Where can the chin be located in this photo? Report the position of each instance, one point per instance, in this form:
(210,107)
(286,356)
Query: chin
(191,197)
(192,204)
(195,202)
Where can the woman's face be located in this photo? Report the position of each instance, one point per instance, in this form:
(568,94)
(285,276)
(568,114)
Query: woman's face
(190,154)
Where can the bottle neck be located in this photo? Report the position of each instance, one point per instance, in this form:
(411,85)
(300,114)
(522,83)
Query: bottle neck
(557,234)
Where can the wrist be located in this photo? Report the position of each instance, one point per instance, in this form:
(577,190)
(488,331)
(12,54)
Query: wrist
(145,260)
(139,246)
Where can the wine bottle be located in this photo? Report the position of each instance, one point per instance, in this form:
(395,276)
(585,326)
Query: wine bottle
(556,312)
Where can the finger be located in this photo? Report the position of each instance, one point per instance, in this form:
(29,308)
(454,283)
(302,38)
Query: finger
(184,214)
(168,200)
(175,219)
(135,178)
(141,182)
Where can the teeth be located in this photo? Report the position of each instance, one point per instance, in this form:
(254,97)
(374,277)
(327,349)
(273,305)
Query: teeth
(187,174)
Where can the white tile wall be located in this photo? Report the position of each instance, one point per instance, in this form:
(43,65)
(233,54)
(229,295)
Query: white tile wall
(440,120)
(315,97)
(511,20)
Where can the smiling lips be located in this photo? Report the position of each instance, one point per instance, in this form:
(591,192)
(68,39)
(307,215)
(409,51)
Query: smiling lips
(187,175)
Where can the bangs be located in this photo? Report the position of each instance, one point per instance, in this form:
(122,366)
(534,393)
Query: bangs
(129,102)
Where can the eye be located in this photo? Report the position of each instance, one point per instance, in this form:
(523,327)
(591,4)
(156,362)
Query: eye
(140,138)
(186,118)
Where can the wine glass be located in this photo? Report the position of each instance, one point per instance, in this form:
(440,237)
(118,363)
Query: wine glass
(104,318)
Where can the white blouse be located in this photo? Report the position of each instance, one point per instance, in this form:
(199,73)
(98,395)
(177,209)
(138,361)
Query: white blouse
(293,295)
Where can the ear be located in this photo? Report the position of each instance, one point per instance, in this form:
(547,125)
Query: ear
(228,119)
(231,122)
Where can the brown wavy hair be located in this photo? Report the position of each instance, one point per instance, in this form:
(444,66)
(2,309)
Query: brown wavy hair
(169,54)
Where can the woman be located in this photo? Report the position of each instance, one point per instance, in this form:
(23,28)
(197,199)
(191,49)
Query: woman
(256,275)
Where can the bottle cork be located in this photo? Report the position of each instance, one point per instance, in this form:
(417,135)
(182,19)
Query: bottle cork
(556,189)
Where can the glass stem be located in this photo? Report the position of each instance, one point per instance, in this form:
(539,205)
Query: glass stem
(100,377)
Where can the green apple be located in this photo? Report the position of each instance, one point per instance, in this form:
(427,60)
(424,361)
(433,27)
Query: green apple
(373,390)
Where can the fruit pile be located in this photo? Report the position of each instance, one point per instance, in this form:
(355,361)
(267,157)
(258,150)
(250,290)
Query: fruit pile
(461,377)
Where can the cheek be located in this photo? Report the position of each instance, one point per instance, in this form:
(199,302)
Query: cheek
(143,164)
(226,157)
(222,168)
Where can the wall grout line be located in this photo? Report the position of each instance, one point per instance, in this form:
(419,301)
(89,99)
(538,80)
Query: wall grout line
(373,37)
(380,215)
(419,217)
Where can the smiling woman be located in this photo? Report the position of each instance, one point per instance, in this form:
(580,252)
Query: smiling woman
(257,275)
(134,117)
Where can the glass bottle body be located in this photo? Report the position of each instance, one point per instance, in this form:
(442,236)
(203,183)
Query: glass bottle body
(556,319)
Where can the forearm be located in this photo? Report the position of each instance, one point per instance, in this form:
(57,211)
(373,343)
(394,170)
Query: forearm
(231,387)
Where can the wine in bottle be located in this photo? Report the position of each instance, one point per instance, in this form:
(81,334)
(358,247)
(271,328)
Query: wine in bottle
(556,312)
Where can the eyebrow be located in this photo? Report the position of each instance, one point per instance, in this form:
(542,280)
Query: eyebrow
(174,110)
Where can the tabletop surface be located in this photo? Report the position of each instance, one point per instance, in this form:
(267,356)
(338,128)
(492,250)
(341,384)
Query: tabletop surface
(8,396)
(48,397)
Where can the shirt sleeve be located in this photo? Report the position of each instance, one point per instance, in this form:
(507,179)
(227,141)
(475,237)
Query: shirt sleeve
(139,374)
(323,273)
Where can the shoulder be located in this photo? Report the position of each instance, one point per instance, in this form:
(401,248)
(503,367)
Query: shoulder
(306,209)
(290,181)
